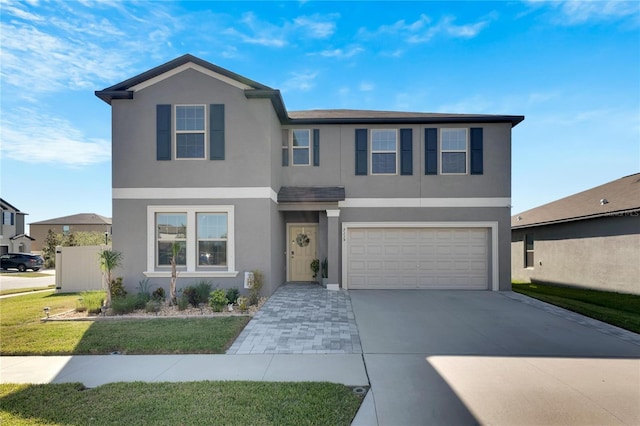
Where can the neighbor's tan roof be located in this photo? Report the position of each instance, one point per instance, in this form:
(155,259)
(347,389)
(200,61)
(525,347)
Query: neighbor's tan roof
(77,219)
(621,195)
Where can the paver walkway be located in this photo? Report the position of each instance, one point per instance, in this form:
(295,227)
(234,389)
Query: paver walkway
(301,319)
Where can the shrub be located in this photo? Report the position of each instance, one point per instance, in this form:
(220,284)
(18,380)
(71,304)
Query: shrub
(158,294)
(117,288)
(153,305)
(243,303)
(183,302)
(197,294)
(218,299)
(256,286)
(232,295)
(144,289)
(90,301)
(124,304)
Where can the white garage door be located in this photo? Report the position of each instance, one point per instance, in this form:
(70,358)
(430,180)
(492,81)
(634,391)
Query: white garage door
(434,258)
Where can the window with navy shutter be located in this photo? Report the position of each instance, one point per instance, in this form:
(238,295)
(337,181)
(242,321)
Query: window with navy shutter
(406,151)
(476,151)
(216,132)
(163,132)
(361,152)
(430,151)
(285,148)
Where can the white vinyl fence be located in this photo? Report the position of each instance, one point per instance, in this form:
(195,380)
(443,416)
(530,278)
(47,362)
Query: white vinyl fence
(78,269)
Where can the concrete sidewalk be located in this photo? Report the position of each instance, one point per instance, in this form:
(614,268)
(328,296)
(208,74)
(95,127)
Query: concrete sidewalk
(96,370)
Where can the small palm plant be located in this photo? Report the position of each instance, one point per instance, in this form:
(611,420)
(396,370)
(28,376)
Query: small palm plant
(109,260)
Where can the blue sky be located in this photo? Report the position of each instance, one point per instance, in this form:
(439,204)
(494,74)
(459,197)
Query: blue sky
(572,68)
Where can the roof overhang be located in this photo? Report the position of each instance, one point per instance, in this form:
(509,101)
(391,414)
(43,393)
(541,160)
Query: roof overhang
(619,213)
(513,119)
(311,194)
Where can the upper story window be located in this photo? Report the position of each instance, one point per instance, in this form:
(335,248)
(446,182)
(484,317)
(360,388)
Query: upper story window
(384,146)
(190,131)
(453,151)
(66,229)
(7,218)
(300,144)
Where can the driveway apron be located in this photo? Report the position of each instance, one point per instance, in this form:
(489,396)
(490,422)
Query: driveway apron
(301,319)
(478,357)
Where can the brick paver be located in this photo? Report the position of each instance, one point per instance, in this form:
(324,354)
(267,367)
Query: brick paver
(301,319)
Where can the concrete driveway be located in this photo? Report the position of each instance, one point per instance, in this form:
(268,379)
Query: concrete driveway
(469,357)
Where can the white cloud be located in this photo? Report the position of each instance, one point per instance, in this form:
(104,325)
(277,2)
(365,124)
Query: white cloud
(341,53)
(424,29)
(316,26)
(300,81)
(575,12)
(366,86)
(33,137)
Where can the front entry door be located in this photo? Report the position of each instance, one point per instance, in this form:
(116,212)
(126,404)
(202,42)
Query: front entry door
(301,251)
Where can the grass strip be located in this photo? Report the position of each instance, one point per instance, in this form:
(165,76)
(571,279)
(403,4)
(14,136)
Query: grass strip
(22,333)
(619,309)
(26,290)
(193,403)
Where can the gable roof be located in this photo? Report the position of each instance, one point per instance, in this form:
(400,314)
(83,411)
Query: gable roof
(77,219)
(5,205)
(619,196)
(255,90)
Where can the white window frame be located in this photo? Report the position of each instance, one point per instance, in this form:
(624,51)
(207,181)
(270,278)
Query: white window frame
(293,148)
(372,152)
(191,269)
(527,251)
(176,131)
(198,240)
(441,151)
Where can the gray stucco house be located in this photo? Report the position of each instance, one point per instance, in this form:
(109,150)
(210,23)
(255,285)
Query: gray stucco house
(590,239)
(207,157)
(12,236)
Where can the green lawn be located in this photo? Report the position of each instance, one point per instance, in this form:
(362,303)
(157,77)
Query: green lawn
(30,275)
(194,403)
(621,310)
(22,333)
(26,290)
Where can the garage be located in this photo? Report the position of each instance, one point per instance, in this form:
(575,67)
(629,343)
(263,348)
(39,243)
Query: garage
(417,257)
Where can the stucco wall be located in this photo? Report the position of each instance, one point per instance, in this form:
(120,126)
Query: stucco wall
(39,232)
(602,254)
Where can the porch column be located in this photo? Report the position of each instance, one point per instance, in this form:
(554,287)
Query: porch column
(333,248)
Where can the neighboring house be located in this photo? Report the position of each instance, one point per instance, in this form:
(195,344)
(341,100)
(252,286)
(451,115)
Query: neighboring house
(83,222)
(214,161)
(590,239)
(12,237)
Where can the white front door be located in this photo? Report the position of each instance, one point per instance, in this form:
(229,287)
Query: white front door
(301,251)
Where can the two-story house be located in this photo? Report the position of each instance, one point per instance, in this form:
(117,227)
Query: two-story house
(213,160)
(12,237)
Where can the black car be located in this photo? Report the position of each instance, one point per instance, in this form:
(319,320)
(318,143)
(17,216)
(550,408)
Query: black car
(21,261)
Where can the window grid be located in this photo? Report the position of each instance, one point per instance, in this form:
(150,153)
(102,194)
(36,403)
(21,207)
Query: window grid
(453,151)
(170,228)
(384,148)
(190,125)
(301,143)
(212,239)
(528,250)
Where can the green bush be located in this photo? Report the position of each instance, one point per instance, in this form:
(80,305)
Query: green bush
(158,294)
(256,286)
(243,303)
(218,299)
(183,302)
(198,293)
(124,304)
(90,301)
(232,295)
(144,290)
(153,305)
(117,288)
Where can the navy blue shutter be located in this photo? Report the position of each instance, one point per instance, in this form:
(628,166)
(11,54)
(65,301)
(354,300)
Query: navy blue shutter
(163,132)
(316,147)
(406,151)
(285,148)
(430,151)
(361,152)
(216,132)
(476,151)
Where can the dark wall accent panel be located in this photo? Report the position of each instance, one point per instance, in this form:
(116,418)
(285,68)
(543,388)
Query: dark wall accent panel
(316,147)
(216,132)
(430,151)
(163,132)
(361,152)
(476,151)
(406,152)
